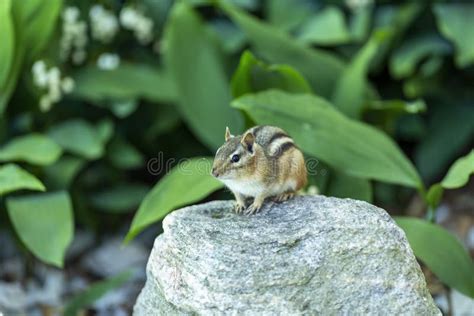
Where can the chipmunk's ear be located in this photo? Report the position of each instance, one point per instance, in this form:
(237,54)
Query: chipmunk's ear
(248,141)
(228,135)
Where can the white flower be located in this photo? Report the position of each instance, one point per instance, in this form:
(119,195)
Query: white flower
(50,81)
(67,85)
(357,4)
(138,23)
(45,103)
(74,36)
(40,76)
(104,24)
(108,61)
(70,14)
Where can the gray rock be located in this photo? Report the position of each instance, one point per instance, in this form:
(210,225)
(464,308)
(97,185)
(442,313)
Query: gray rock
(311,255)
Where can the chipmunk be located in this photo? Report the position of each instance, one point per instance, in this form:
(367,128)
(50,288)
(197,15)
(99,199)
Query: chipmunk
(263,162)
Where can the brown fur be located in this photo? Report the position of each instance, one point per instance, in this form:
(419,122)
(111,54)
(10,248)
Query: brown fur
(268,164)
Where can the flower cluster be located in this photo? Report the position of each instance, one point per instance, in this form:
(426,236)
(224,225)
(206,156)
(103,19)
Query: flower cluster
(139,24)
(107,61)
(51,81)
(104,24)
(74,36)
(358,4)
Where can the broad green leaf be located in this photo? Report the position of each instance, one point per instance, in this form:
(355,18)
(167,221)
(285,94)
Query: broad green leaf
(231,37)
(360,22)
(33,148)
(8,41)
(105,130)
(404,60)
(319,67)
(128,81)
(385,113)
(41,24)
(253,75)
(61,174)
(287,15)
(441,252)
(34,22)
(186,183)
(344,186)
(13,178)
(79,137)
(123,155)
(94,292)
(120,198)
(450,130)
(202,85)
(455,22)
(398,20)
(459,173)
(347,145)
(351,89)
(325,27)
(45,224)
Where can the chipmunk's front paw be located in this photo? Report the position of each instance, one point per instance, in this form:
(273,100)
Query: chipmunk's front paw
(239,207)
(284,196)
(253,208)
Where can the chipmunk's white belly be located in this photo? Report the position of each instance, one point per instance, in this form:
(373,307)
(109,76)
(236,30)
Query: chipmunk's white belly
(247,188)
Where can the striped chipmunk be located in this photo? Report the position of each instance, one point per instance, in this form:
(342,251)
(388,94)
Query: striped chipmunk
(263,162)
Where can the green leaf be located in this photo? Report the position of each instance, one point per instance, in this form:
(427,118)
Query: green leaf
(348,146)
(320,68)
(8,41)
(360,22)
(351,89)
(287,15)
(123,155)
(434,195)
(184,184)
(450,130)
(325,27)
(459,173)
(231,37)
(344,186)
(105,130)
(13,178)
(455,22)
(404,60)
(441,252)
(79,137)
(203,89)
(128,81)
(44,222)
(94,292)
(385,113)
(41,25)
(61,174)
(34,22)
(253,75)
(120,198)
(33,148)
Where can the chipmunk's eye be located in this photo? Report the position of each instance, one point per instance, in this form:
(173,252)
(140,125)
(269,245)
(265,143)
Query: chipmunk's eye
(235,158)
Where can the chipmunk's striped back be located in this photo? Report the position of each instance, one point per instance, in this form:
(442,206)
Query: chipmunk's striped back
(273,140)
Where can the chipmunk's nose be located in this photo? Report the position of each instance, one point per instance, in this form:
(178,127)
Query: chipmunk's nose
(214,172)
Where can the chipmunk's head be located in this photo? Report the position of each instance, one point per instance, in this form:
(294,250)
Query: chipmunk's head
(236,158)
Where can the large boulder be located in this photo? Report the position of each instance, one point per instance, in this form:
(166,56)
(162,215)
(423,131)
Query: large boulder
(311,255)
